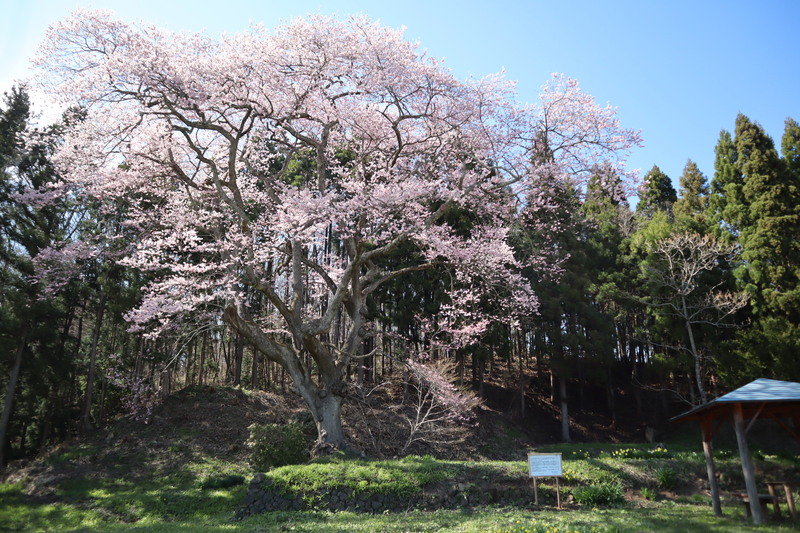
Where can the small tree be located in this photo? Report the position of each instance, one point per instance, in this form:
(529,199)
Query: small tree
(676,274)
(438,407)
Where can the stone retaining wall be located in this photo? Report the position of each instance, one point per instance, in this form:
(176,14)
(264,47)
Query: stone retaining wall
(263,496)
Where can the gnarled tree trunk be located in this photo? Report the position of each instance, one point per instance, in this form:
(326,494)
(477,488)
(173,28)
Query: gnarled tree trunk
(323,395)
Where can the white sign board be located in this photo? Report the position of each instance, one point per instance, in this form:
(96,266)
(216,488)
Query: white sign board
(544,464)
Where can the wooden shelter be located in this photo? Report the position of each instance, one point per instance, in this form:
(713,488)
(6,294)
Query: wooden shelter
(762,398)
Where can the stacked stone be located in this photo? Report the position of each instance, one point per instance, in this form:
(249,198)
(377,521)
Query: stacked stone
(263,496)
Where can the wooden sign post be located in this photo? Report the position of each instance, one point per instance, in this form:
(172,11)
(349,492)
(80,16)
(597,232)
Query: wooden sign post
(545,465)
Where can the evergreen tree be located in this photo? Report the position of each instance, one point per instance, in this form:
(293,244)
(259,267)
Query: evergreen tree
(766,208)
(561,335)
(657,193)
(691,209)
(29,331)
(790,149)
(726,201)
(610,222)
(770,240)
(13,121)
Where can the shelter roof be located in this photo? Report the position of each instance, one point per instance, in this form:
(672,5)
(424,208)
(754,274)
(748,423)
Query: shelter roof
(779,398)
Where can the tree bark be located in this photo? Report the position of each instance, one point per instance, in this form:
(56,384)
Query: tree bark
(698,362)
(323,397)
(12,387)
(189,357)
(166,383)
(238,357)
(86,416)
(254,369)
(523,383)
(562,386)
(612,404)
(327,412)
(202,372)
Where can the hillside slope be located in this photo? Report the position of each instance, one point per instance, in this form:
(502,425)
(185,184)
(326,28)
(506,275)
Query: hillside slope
(204,421)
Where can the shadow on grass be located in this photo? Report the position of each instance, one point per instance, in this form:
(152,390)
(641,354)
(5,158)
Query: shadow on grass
(19,512)
(154,499)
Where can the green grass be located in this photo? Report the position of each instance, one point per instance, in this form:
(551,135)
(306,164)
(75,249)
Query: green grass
(165,499)
(100,505)
(403,477)
(73,453)
(668,518)
(130,499)
(663,518)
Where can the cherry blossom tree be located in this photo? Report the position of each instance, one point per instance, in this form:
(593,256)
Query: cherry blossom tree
(198,141)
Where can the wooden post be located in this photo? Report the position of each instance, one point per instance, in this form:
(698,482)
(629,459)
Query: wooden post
(711,469)
(747,464)
(787,489)
(535,492)
(558,493)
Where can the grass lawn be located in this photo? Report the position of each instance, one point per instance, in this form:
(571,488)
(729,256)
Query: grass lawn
(175,500)
(664,517)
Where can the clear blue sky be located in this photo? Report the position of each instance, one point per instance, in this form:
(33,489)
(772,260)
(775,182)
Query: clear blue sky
(678,70)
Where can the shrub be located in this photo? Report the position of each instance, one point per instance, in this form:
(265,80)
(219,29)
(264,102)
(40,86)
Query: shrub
(649,494)
(222,482)
(604,493)
(277,445)
(665,477)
